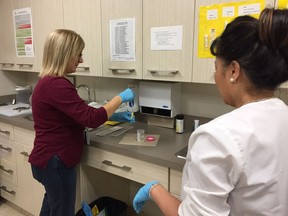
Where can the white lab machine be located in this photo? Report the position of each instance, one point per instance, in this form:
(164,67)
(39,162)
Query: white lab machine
(160,98)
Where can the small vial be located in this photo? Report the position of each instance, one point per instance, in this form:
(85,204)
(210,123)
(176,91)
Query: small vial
(179,123)
(140,135)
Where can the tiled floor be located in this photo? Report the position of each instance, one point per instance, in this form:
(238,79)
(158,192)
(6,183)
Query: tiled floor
(7,209)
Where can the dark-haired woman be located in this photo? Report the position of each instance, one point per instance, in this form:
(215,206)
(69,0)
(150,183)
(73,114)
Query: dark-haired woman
(237,164)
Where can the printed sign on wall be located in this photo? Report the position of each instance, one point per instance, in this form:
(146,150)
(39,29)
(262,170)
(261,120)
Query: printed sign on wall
(23,32)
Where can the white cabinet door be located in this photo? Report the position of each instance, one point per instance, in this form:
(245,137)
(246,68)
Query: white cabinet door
(47,16)
(84,17)
(10,59)
(158,62)
(175,182)
(126,167)
(7,43)
(27,185)
(116,10)
(25,180)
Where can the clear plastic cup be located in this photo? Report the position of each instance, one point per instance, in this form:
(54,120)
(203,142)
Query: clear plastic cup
(140,135)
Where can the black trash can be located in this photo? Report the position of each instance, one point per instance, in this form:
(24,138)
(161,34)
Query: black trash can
(113,206)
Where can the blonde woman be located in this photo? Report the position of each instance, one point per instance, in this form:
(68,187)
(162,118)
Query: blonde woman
(60,117)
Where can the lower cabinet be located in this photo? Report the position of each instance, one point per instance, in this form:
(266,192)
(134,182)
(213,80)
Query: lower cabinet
(175,182)
(29,192)
(126,167)
(101,173)
(8,171)
(105,173)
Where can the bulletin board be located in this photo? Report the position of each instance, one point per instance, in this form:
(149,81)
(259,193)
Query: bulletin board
(214,18)
(282,4)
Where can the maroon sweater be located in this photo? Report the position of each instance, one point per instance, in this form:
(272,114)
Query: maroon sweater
(60,117)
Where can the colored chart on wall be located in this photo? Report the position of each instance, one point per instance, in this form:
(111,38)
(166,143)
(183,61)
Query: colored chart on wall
(214,18)
(23,32)
(282,4)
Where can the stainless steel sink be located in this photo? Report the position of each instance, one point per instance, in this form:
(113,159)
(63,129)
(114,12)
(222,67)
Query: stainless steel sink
(182,153)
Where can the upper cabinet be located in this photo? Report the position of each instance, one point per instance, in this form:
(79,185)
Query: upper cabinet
(11,55)
(168,39)
(84,17)
(122,38)
(47,16)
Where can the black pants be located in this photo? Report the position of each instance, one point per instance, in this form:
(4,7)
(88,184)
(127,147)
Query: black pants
(60,188)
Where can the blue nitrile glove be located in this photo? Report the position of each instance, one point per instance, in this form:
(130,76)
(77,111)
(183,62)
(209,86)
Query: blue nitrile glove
(86,209)
(142,196)
(123,117)
(127,95)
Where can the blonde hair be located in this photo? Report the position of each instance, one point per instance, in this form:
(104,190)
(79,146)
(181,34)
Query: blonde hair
(60,47)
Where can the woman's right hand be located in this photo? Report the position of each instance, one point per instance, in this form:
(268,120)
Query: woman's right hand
(127,95)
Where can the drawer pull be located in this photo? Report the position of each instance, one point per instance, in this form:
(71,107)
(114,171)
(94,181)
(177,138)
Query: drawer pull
(5,64)
(7,149)
(25,65)
(109,163)
(121,71)
(25,154)
(8,171)
(5,132)
(164,73)
(5,189)
(83,68)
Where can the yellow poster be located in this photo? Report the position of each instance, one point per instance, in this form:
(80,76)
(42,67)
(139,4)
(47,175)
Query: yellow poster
(282,4)
(214,18)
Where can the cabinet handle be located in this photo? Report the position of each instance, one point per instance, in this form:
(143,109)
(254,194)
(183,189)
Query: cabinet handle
(5,132)
(3,63)
(121,70)
(84,68)
(109,163)
(25,65)
(25,154)
(163,73)
(8,171)
(5,189)
(7,149)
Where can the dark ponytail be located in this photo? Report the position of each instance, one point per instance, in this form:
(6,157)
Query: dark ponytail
(259,46)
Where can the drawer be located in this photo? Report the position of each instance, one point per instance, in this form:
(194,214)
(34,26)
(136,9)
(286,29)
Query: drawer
(7,151)
(23,136)
(6,132)
(126,167)
(8,191)
(8,171)
(175,182)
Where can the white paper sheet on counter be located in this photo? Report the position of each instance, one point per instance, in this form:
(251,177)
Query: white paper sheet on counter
(8,110)
(130,139)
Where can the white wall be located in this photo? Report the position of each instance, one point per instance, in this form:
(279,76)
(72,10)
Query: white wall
(8,81)
(197,99)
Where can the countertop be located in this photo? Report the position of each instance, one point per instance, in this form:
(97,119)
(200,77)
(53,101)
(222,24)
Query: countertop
(162,154)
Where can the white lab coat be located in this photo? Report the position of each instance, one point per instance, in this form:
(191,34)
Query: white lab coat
(237,164)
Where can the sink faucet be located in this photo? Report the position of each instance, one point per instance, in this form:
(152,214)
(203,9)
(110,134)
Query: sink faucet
(88,90)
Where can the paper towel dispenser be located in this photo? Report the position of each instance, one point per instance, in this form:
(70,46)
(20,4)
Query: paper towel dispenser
(160,98)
